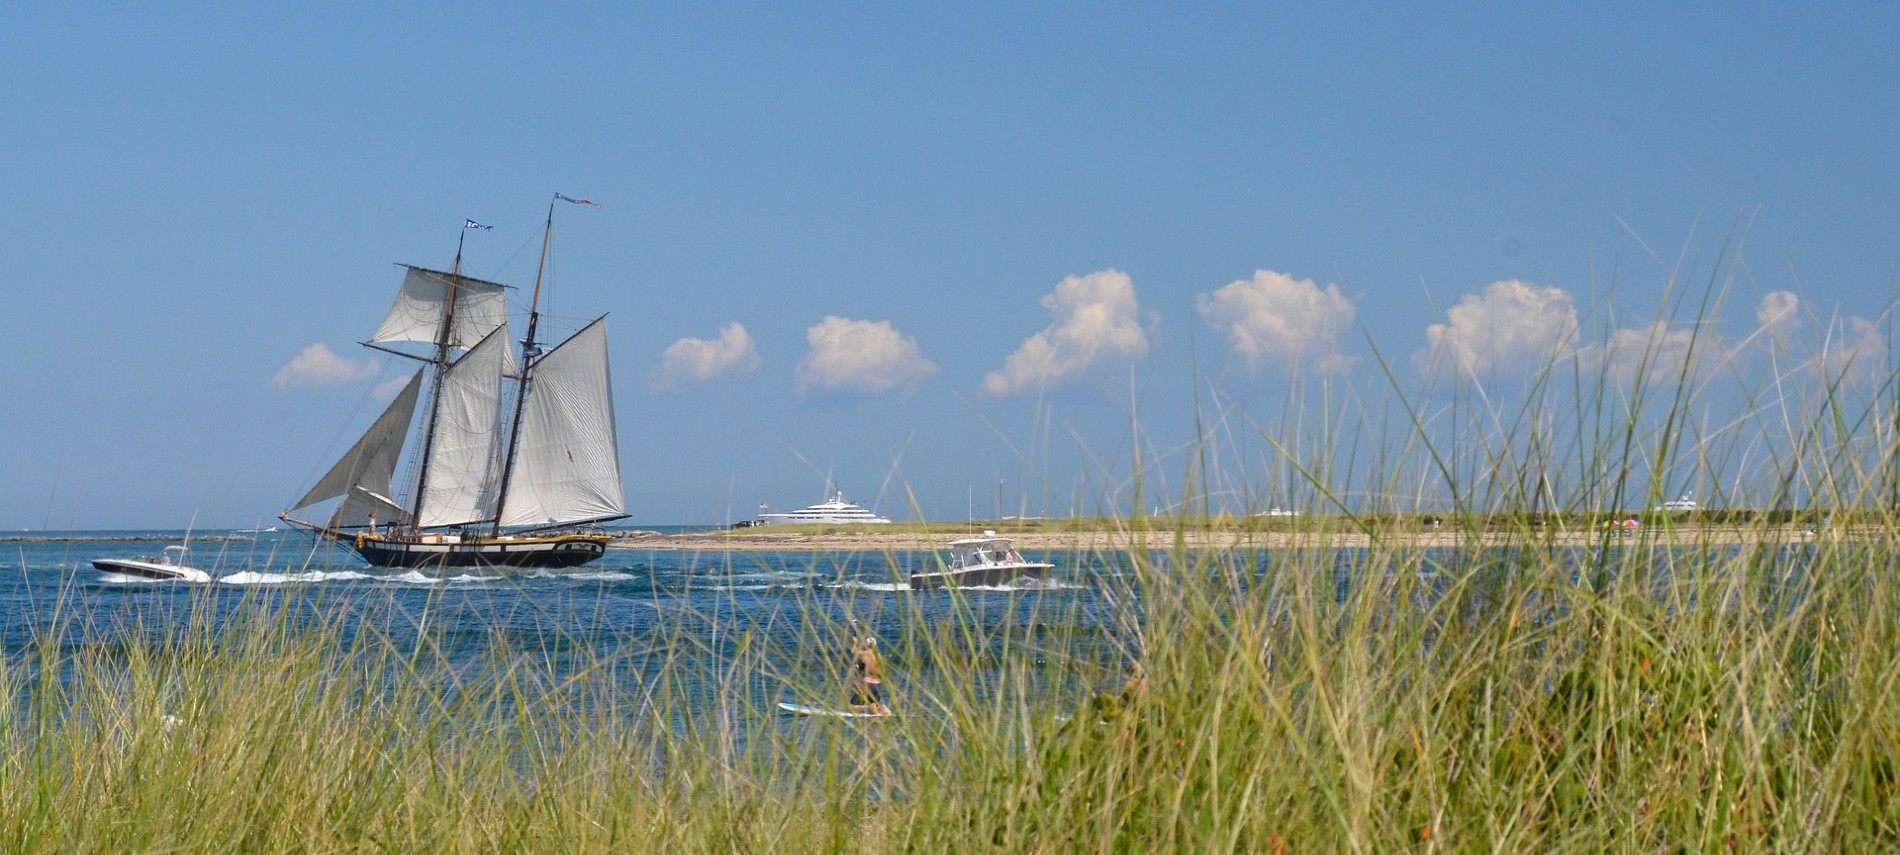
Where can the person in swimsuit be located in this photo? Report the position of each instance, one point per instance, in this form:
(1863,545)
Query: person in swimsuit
(867,677)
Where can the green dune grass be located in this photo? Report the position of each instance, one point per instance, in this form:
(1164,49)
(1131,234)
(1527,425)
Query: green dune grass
(1652,694)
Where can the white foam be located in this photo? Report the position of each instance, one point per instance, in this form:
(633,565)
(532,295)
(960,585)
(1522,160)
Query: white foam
(249,577)
(599,575)
(870,586)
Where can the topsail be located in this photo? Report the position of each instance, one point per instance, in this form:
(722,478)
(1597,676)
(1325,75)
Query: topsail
(478,308)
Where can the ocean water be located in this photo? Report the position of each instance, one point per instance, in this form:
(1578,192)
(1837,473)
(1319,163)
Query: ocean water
(640,609)
(633,606)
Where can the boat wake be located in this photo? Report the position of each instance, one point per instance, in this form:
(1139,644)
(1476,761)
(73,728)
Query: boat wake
(867,586)
(123,579)
(252,577)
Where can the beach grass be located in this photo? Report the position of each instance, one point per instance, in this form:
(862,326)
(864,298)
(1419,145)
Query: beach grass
(1660,692)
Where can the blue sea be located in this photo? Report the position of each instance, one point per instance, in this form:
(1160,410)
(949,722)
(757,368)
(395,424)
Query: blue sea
(639,608)
(801,604)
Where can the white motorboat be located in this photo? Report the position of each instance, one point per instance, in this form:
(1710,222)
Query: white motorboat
(984,561)
(168,566)
(835,511)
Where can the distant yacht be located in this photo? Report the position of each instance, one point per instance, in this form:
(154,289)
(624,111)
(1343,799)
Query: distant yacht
(835,511)
(1686,503)
(1275,511)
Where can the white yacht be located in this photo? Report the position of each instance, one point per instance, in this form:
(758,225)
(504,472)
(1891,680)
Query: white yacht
(166,567)
(1686,503)
(835,511)
(986,560)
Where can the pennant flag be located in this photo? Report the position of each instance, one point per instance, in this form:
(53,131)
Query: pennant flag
(471,224)
(566,198)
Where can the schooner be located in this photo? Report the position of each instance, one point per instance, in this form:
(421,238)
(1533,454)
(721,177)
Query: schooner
(500,480)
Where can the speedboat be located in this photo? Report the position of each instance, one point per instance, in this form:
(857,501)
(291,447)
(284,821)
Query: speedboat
(835,511)
(168,566)
(986,560)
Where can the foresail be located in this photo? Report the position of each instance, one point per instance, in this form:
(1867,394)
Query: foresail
(567,468)
(366,507)
(371,462)
(480,307)
(461,487)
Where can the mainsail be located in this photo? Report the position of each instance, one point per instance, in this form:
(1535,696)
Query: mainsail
(370,463)
(479,307)
(568,464)
(461,482)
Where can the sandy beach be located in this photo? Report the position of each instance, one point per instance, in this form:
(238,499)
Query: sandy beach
(856,541)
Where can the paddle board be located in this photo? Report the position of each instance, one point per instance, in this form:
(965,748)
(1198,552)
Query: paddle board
(800,709)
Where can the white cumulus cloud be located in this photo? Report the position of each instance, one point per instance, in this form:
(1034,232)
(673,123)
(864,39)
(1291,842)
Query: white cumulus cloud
(1510,325)
(1777,309)
(1657,353)
(388,388)
(1854,350)
(1274,317)
(861,357)
(698,360)
(318,365)
(1097,322)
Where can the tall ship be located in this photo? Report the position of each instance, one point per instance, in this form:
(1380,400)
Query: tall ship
(515,460)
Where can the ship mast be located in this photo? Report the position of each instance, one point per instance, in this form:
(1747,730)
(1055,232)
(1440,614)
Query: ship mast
(528,357)
(443,338)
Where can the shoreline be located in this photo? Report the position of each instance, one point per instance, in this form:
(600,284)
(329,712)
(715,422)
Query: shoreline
(122,538)
(1096,541)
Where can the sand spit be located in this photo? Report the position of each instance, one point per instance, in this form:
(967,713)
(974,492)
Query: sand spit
(755,541)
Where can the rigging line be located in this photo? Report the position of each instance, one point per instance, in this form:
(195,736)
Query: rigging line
(525,243)
(310,477)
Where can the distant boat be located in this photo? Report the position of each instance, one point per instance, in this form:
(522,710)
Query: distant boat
(835,511)
(499,483)
(1686,503)
(1275,511)
(986,560)
(167,566)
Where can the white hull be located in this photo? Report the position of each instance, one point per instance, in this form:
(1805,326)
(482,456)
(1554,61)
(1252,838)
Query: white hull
(981,575)
(150,569)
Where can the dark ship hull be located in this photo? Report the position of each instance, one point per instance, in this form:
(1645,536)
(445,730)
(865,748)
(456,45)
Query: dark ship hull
(563,550)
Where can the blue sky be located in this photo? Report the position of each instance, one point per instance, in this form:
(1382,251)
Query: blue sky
(944,233)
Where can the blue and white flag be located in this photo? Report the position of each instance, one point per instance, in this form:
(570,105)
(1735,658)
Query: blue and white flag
(566,198)
(471,224)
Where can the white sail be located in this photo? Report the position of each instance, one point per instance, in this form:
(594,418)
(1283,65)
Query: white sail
(460,486)
(480,307)
(567,468)
(371,462)
(367,507)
